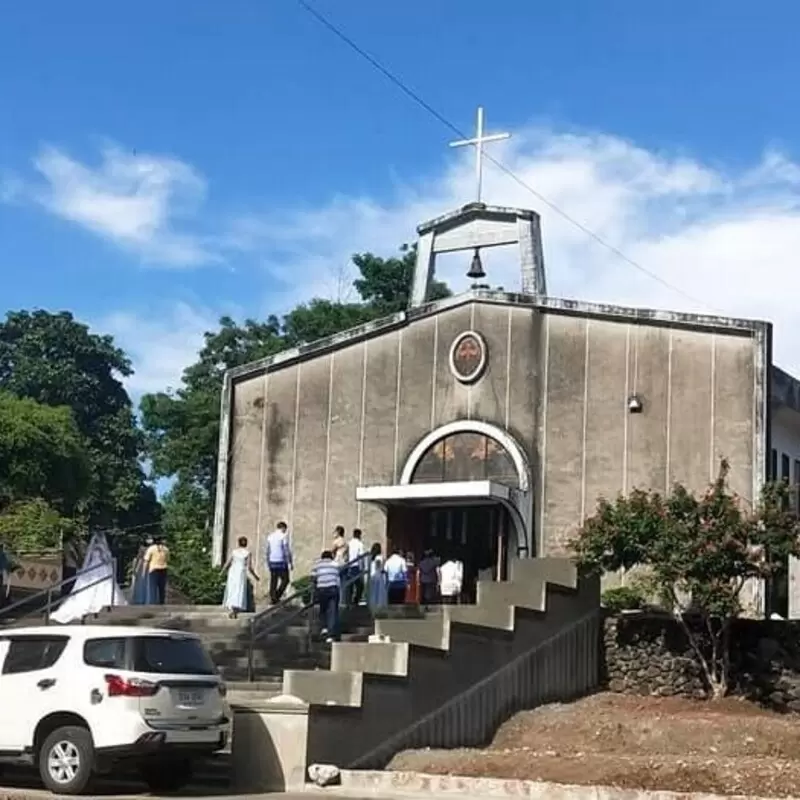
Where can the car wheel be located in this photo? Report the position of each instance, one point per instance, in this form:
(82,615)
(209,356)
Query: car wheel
(167,776)
(66,759)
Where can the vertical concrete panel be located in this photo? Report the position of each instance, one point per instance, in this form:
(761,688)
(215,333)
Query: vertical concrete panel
(523,400)
(278,455)
(606,409)
(734,401)
(380,403)
(647,431)
(312,452)
(690,409)
(345,437)
(451,397)
(566,363)
(416,386)
(523,366)
(245,479)
(487,397)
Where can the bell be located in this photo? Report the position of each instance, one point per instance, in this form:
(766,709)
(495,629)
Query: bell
(476,268)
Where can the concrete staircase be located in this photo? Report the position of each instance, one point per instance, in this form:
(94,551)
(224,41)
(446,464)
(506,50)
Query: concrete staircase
(288,644)
(451,678)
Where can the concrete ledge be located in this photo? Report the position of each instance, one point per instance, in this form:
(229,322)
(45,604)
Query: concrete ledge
(323,688)
(375,658)
(400,784)
(497,615)
(531,595)
(558,571)
(432,632)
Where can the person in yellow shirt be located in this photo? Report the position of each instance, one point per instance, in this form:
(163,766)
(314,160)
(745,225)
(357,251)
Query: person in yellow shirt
(156,559)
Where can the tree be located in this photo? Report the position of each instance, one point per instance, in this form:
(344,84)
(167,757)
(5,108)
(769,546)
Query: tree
(42,455)
(186,528)
(699,553)
(385,283)
(35,525)
(55,360)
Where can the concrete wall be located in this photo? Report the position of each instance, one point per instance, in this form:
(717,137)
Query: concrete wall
(305,436)
(699,404)
(305,433)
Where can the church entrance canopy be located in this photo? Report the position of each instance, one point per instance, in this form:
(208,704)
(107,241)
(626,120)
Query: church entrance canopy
(464,464)
(450,493)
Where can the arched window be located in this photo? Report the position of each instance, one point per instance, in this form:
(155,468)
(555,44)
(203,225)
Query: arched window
(466,456)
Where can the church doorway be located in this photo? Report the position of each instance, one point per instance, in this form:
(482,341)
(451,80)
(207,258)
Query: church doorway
(476,534)
(465,492)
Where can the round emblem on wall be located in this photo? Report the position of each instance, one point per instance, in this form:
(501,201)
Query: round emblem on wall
(468,356)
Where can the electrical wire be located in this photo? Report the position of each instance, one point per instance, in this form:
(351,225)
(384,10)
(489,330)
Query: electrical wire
(420,101)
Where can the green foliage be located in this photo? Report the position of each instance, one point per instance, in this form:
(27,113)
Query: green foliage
(42,455)
(699,553)
(304,585)
(34,525)
(54,360)
(188,537)
(385,283)
(623,598)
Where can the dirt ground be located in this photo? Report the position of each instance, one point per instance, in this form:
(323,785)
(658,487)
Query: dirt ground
(726,747)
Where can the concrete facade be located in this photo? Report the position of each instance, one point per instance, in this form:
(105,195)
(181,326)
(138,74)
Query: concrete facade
(304,429)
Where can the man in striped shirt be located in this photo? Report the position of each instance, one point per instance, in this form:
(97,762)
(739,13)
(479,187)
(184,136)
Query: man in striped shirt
(327,589)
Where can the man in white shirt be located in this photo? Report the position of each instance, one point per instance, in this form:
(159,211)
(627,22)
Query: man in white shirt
(451,580)
(279,562)
(396,578)
(355,569)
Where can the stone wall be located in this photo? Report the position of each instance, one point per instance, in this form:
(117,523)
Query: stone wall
(650,654)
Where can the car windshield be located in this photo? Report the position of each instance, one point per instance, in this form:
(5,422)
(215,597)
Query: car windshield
(171,655)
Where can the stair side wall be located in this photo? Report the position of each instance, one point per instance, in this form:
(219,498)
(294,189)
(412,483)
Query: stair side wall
(391,705)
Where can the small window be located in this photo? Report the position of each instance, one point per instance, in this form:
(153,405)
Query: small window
(32,653)
(773,471)
(785,467)
(175,655)
(107,653)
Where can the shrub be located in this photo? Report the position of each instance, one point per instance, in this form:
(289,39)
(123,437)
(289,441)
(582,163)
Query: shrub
(623,598)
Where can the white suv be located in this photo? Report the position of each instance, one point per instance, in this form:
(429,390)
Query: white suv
(76,700)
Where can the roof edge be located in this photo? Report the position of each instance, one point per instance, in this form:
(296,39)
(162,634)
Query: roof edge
(556,305)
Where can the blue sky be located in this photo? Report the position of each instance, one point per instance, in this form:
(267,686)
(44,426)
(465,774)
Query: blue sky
(165,163)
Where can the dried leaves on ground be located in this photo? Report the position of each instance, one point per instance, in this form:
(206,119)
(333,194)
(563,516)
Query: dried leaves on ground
(726,747)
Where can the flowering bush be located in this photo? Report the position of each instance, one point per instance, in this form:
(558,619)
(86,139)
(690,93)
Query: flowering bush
(699,554)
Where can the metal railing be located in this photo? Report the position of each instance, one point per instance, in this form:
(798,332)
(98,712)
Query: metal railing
(47,594)
(260,623)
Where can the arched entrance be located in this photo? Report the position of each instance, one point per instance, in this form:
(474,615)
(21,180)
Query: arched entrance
(465,491)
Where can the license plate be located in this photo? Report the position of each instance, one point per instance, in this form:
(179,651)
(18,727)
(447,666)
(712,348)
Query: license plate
(190,699)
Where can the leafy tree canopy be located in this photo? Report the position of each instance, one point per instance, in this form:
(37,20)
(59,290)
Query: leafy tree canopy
(55,360)
(43,455)
(699,553)
(34,525)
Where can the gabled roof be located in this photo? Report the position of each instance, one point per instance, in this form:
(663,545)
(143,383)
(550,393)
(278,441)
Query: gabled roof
(729,325)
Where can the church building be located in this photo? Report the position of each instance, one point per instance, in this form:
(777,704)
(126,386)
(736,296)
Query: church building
(491,421)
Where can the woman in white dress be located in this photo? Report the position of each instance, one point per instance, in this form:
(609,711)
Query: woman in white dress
(377,594)
(239,567)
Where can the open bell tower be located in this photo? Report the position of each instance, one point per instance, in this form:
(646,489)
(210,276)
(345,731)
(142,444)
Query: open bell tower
(474,227)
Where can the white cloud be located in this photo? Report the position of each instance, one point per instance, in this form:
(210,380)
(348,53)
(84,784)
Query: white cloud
(728,238)
(135,201)
(161,347)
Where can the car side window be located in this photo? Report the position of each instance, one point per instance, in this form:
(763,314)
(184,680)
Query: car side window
(107,653)
(32,653)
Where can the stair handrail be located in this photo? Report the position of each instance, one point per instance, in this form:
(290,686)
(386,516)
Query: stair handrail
(48,591)
(256,631)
